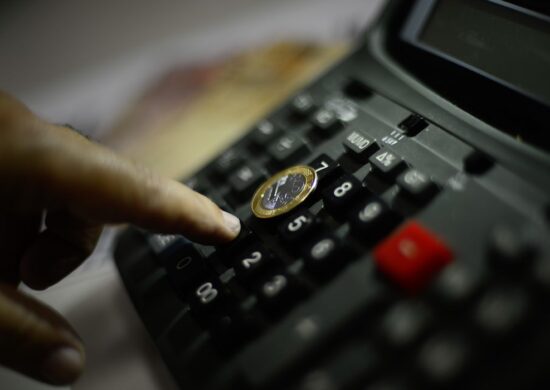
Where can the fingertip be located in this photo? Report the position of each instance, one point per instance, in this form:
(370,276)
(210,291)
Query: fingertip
(232,225)
(63,365)
(218,226)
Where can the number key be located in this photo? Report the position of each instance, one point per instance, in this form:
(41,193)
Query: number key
(326,122)
(205,297)
(297,226)
(324,255)
(278,293)
(252,262)
(264,133)
(245,180)
(287,149)
(372,220)
(341,194)
(325,167)
(228,162)
(185,268)
(416,184)
(302,105)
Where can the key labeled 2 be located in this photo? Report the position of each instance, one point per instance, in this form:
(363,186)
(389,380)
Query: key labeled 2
(253,261)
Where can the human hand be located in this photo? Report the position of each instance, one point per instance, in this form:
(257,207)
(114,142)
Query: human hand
(52,172)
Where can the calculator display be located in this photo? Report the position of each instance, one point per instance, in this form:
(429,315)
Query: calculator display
(498,41)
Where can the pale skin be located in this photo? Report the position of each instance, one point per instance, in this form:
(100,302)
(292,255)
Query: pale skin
(48,170)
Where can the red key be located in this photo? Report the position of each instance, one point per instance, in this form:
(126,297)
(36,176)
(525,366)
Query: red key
(412,256)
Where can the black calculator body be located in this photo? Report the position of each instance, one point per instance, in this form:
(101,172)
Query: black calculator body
(421,260)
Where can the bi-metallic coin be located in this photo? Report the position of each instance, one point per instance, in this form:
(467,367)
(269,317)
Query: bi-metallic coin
(284,191)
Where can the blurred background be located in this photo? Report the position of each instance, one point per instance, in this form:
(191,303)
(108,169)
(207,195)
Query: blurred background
(168,83)
(83,61)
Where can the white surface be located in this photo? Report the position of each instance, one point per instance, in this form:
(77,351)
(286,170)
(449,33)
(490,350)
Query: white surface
(81,62)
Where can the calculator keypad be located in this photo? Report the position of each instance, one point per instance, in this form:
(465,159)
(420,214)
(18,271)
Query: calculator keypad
(362,270)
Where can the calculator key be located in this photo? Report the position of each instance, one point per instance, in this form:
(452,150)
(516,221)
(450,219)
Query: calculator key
(196,184)
(412,256)
(164,246)
(325,255)
(387,163)
(510,249)
(372,220)
(236,324)
(404,324)
(443,359)
(228,162)
(287,149)
(501,311)
(302,105)
(227,331)
(278,293)
(416,184)
(232,248)
(186,268)
(326,168)
(252,262)
(457,285)
(297,226)
(359,145)
(207,297)
(340,195)
(249,312)
(325,122)
(245,180)
(264,133)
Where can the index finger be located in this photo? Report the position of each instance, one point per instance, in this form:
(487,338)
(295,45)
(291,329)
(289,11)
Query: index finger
(56,166)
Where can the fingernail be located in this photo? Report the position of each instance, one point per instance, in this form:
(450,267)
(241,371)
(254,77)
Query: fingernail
(231,222)
(63,366)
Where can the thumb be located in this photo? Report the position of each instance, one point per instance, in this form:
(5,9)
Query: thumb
(36,341)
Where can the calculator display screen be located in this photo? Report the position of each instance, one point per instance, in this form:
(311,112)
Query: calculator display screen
(497,39)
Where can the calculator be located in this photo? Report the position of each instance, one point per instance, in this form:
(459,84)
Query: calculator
(395,221)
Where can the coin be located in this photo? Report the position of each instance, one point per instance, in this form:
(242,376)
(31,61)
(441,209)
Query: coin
(283,191)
